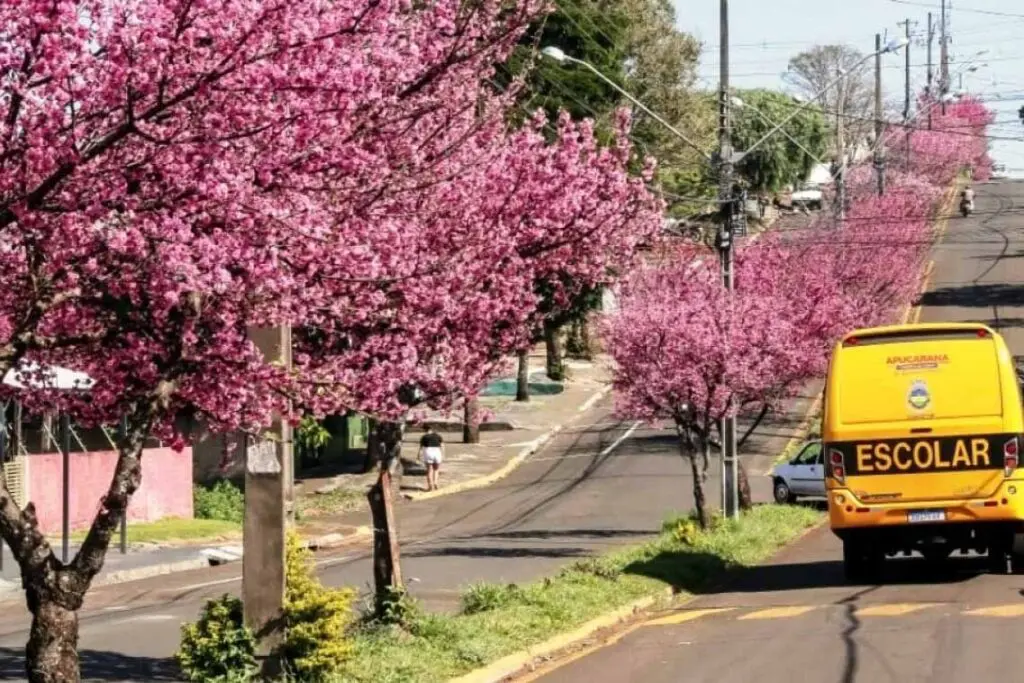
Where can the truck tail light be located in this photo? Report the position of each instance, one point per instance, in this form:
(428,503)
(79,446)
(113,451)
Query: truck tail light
(1011,455)
(835,459)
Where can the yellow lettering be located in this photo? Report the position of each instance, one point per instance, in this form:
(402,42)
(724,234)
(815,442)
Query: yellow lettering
(979,450)
(864,458)
(925,448)
(960,456)
(939,462)
(898,450)
(883,461)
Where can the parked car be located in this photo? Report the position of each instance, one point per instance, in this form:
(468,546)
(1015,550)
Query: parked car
(802,476)
(809,195)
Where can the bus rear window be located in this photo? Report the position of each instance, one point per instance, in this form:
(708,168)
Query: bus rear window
(949,377)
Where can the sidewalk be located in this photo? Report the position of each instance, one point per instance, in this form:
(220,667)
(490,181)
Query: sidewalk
(511,431)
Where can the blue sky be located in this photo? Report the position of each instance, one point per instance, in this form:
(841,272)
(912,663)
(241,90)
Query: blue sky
(764,35)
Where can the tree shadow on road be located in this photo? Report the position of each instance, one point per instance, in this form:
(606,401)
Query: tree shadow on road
(975,296)
(1004,323)
(97,665)
(500,552)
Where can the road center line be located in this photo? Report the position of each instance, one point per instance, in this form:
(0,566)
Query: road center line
(779,612)
(615,444)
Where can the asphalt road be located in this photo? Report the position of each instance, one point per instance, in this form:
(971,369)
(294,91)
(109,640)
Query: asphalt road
(600,483)
(796,618)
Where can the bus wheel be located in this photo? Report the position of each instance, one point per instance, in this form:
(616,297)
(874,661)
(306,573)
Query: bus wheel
(1000,558)
(858,562)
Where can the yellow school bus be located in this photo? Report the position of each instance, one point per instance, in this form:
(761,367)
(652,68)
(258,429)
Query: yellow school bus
(922,428)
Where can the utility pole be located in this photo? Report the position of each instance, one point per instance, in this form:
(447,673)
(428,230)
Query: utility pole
(879,130)
(906,76)
(943,58)
(928,88)
(840,173)
(268,485)
(906,95)
(730,487)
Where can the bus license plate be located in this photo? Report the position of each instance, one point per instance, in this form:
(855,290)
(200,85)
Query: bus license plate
(919,516)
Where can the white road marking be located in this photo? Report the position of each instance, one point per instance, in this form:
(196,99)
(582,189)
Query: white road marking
(147,618)
(208,584)
(618,442)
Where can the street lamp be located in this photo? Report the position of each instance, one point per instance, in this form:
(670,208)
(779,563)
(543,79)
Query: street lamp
(559,55)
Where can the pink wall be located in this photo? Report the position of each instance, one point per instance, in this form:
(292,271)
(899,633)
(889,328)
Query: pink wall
(166,489)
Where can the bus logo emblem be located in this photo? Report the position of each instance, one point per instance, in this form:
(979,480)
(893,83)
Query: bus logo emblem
(919,398)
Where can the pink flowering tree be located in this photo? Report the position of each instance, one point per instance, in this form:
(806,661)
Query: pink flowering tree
(688,352)
(163,173)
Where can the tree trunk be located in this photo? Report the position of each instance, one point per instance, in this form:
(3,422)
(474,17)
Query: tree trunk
(753,427)
(390,435)
(700,503)
(553,347)
(688,450)
(387,568)
(51,655)
(523,377)
(471,421)
(573,341)
(586,346)
(373,453)
(54,592)
(743,484)
(578,343)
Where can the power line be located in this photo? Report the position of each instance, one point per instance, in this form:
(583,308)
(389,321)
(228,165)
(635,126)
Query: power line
(961,9)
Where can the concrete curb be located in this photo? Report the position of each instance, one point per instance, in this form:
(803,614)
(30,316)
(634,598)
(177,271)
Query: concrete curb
(513,463)
(515,662)
(140,573)
(332,541)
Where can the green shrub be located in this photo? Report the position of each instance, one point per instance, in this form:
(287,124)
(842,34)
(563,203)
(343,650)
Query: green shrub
(218,648)
(316,642)
(485,597)
(223,501)
(398,608)
(686,529)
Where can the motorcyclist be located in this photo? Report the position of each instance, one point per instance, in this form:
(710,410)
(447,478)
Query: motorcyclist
(968,198)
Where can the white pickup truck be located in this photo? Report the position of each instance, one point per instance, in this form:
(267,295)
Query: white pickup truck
(809,195)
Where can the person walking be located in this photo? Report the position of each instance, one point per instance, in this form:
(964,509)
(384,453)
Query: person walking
(432,455)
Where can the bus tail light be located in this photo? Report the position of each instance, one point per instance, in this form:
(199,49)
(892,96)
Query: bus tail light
(1011,455)
(836,465)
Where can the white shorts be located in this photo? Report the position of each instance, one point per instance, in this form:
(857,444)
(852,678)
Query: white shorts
(432,456)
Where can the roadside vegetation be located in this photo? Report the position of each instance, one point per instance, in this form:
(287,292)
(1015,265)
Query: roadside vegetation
(497,620)
(408,645)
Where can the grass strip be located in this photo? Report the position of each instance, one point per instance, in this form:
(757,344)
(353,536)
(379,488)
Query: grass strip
(175,530)
(497,620)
